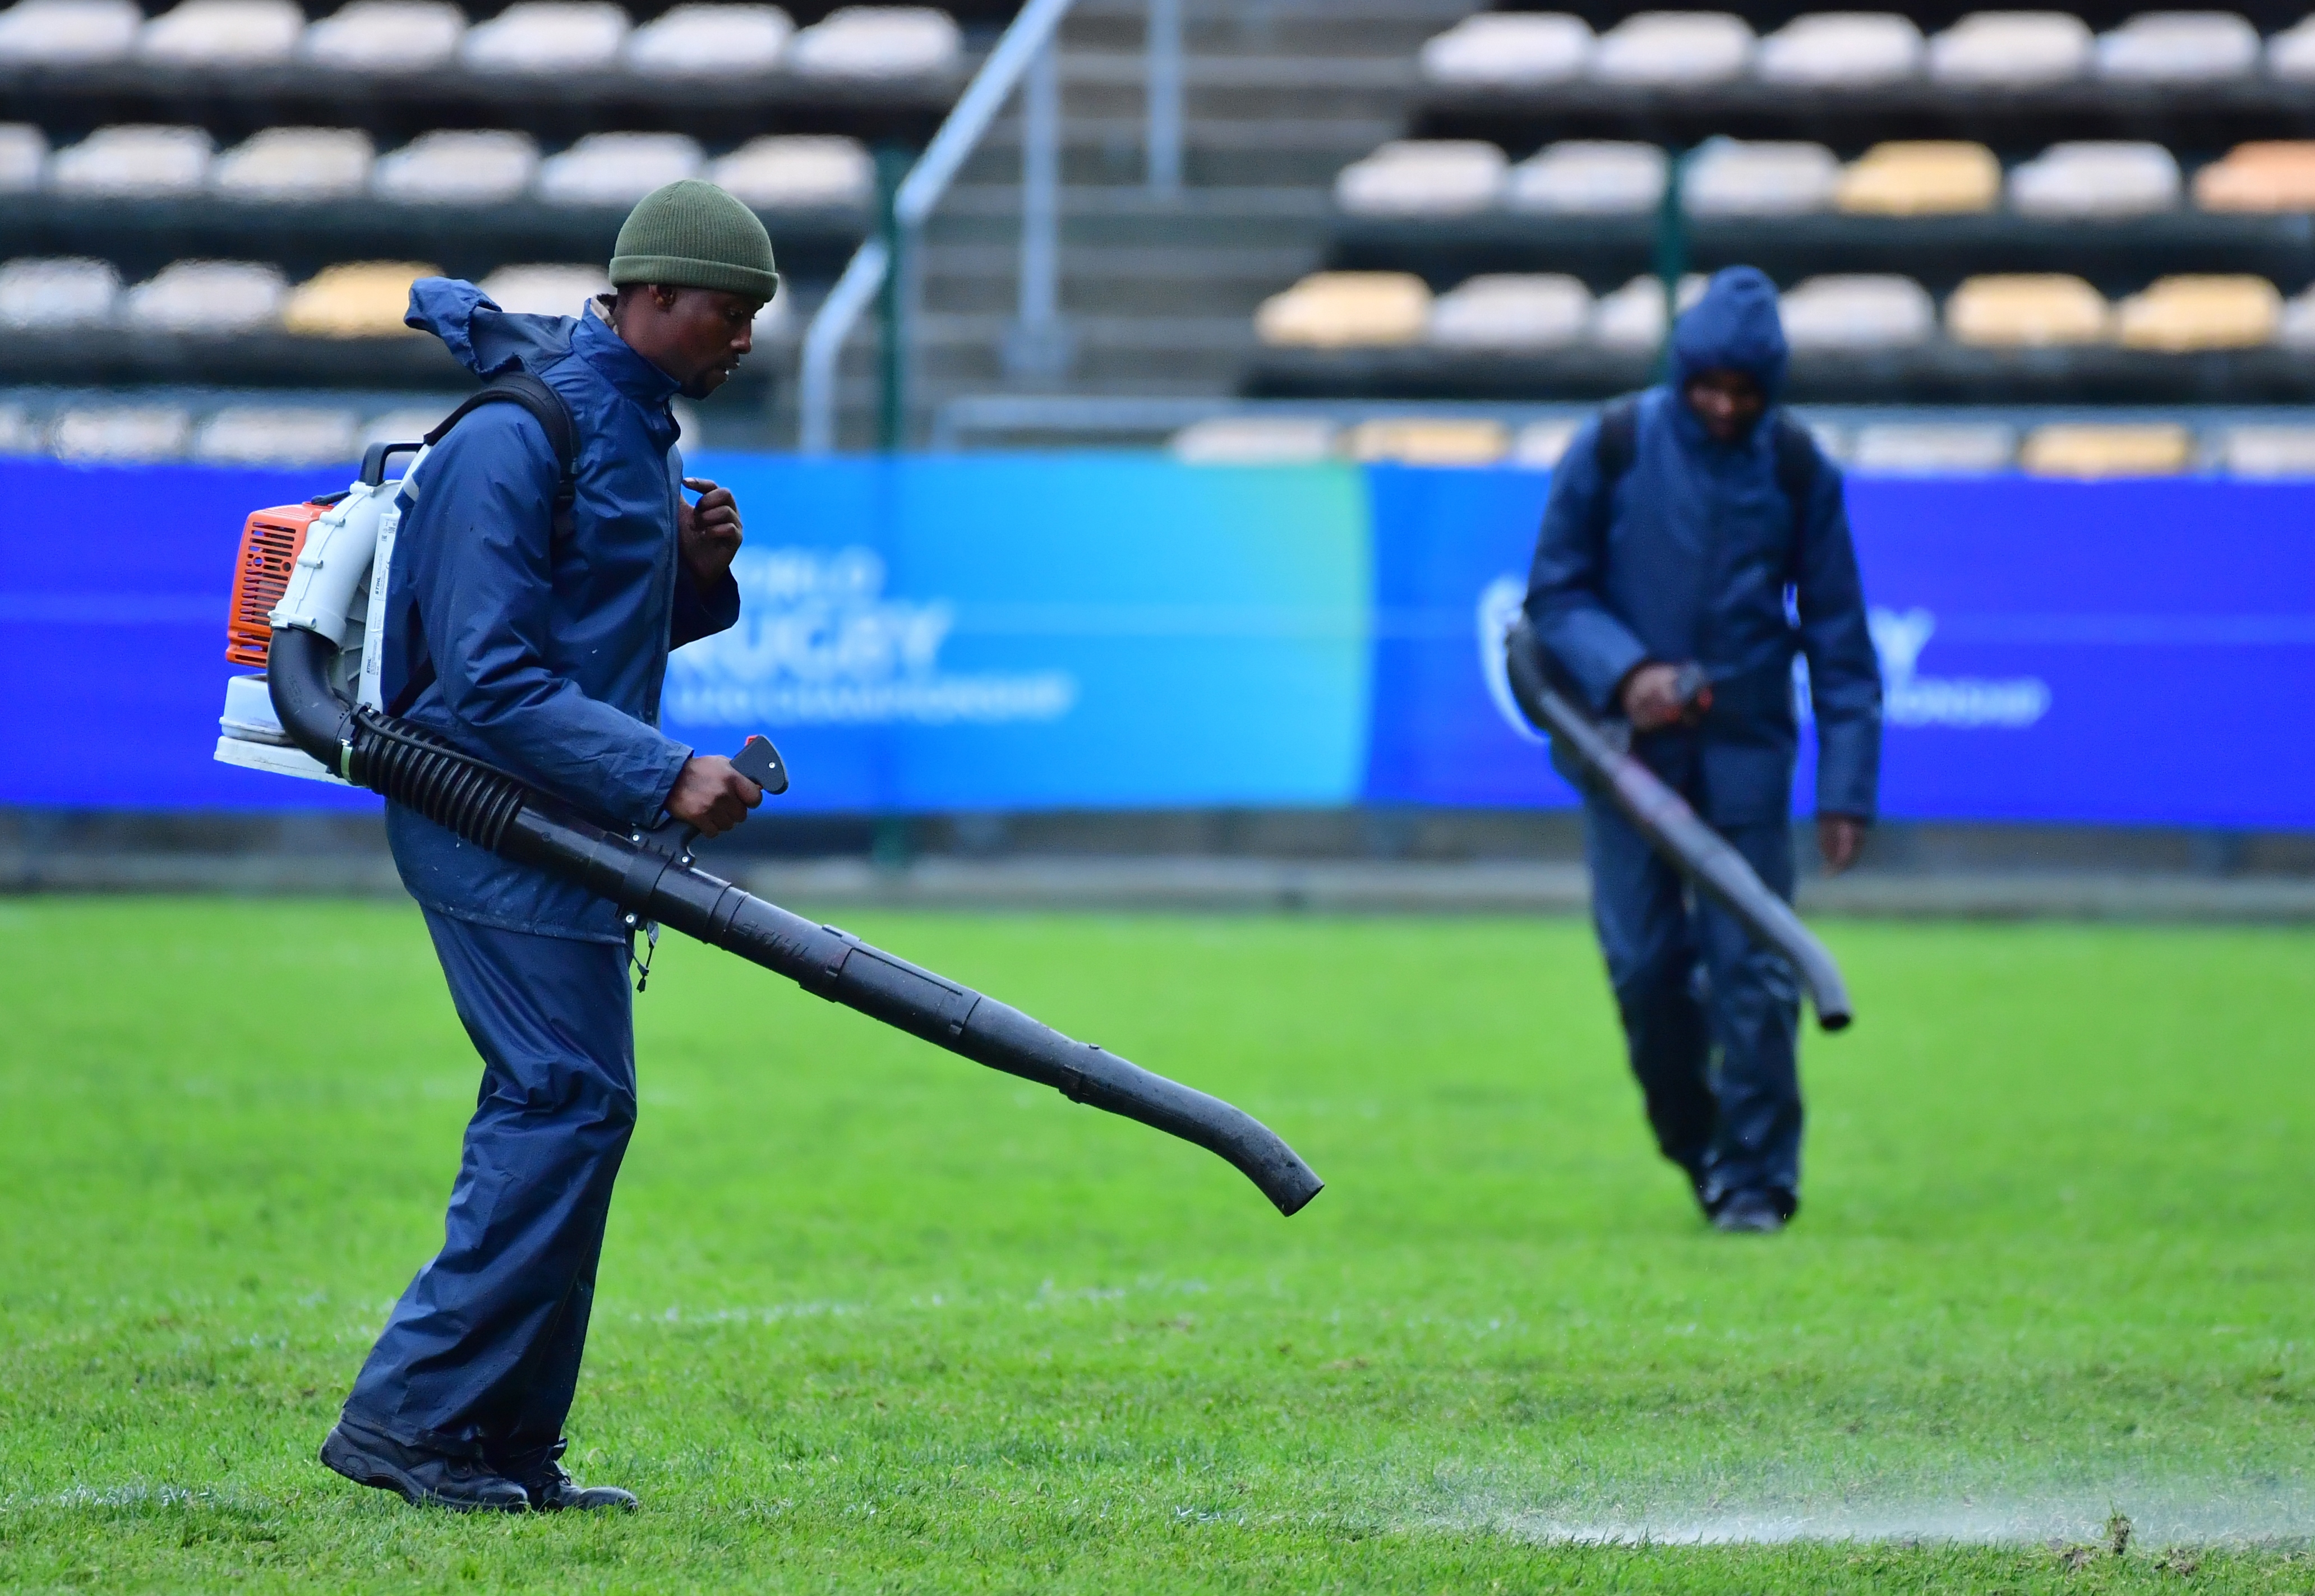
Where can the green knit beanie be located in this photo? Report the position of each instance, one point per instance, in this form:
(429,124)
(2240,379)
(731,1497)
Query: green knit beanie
(692,235)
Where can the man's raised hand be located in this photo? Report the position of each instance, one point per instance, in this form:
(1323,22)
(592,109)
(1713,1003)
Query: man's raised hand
(710,795)
(1651,697)
(707,533)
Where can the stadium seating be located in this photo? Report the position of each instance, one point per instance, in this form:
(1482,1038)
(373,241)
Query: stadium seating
(1860,311)
(1541,445)
(215,33)
(1933,449)
(133,162)
(2291,54)
(798,170)
(1730,177)
(209,296)
(2179,47)
(616,168)
(545,289)
(865,42)
(1842,49)
(1673,49)
(295,164)
(1422,441)
(1346,309)
(361,299)
(2273,175)
(2268,451)
(710,40)
(278,435)
(2095,450)
(125,432)
(1255,441)
(537,37)
(458,168)
(1507,48)
(2188,313)
(67,292)
(1512,312)
(2095,178)
(2012,49)
(388,36)
(68,32)
(1423,177)
(23,157)
(1587,177)
(2026,310)
(1940,177)
(1632,317)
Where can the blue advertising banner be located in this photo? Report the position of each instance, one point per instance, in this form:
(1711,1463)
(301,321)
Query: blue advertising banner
(2127,653)
(1019,632)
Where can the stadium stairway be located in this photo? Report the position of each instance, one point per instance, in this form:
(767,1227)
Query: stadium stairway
(1157,295)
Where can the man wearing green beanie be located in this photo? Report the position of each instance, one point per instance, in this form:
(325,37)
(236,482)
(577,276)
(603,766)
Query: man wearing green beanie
(528,620)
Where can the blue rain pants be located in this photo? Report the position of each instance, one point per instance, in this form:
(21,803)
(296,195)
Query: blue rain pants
(481,1356)
(1711,1017)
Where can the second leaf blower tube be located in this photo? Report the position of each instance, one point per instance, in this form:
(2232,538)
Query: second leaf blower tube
(1672,827)
(493,809)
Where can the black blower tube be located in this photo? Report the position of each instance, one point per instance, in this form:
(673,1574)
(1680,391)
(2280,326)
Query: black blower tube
(1672,827)
(496,811)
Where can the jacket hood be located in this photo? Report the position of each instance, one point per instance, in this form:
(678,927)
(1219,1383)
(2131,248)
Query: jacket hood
(487,341)
(1734,327)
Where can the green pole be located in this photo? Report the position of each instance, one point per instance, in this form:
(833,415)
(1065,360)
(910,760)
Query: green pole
(1671,253)
(892,163)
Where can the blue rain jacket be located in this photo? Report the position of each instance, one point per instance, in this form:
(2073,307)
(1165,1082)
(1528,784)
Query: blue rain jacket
(1689,555)
(550,650)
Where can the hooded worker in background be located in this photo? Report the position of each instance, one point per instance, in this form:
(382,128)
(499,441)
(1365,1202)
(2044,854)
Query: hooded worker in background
(529,621)
(1699,525)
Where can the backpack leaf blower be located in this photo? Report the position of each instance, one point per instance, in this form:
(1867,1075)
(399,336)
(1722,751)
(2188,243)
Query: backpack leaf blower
(1663,817)
(309,574)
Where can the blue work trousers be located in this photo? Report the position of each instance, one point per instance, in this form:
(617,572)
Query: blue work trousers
(479,1357)
(1711,1017)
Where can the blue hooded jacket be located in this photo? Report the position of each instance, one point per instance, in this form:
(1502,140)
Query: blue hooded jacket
(549,651)
(1688,555)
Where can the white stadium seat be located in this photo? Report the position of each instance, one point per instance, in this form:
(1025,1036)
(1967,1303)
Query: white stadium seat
(142,162)
(23,157)
(1933,449)
(1255,441)
(386,36)
(710,41)
(534,37)
(1509,49)
(1587,177)
(545,290)
(2179,47)
(126,432)
(295,164)
(58,291)
(209,296)
(474,167)
(279,435)
(2096,177)
(1632,317)
(616,168)
(1863,311)
(798,171)
(1842,49)
(1673,49)
(1423,177)
(223,33)
(20,433)
(1732,177)
(2268,451)
(2291,54)
(1510,312)
(68,32)
(2007,48)
(877,41)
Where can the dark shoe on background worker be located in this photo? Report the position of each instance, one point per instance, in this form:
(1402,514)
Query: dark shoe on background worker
(463,1484)
(1751,1213)
(553,1490)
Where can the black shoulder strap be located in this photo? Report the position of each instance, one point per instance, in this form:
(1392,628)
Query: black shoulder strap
(1797,463)
(1618,442)
(547,409)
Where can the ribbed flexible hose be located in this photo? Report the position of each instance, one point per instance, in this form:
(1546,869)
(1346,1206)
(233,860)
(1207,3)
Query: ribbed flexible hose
(496,811)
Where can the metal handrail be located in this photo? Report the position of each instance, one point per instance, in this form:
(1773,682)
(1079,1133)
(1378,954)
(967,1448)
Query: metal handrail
(961,133)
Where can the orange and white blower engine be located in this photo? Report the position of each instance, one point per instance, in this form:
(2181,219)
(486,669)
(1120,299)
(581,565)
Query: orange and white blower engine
(312,575)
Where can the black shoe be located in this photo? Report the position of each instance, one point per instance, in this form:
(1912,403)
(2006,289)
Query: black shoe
(553,1490)
(1753,1213)
(422,1479)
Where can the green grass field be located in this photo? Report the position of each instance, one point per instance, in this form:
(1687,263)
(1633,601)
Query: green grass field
(872,1318)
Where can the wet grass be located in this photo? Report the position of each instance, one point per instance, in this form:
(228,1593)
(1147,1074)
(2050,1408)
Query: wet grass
(872,1318)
